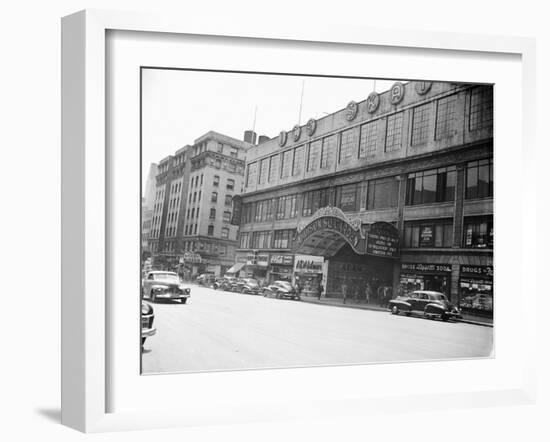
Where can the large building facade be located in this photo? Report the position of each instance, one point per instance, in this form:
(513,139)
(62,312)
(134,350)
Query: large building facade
(395,191)
(190,227)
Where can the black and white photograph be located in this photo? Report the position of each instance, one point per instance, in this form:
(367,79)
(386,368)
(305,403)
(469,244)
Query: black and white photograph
(295,220)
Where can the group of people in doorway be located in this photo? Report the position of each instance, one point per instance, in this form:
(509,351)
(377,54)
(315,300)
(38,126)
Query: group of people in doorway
(380,295)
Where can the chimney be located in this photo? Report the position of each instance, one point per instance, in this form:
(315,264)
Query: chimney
(250,136)
(263,139)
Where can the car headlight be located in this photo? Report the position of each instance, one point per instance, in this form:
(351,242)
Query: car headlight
(145,309)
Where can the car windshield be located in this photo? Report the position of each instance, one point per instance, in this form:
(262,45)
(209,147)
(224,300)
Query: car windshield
(284,284)
(439,297)
(252,282)
(166,277)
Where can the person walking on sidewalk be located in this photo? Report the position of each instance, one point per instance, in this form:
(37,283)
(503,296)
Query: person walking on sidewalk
(319,291)
(344,291)
(368,293)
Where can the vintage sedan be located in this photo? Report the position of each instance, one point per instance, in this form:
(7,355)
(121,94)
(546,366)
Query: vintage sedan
(427,303)
(226,283)
(247,285)
(159,285)
(147,318)
(281,289)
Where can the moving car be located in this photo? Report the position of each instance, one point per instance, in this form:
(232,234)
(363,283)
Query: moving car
(248,286)
(164,285)
(281,289)
(147,318)
(205,279)
(427,303)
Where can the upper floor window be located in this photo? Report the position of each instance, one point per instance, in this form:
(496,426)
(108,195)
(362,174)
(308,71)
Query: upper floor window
(226,216)
(273,166)
(394,132)
(382,193)
(251,174)
(481,108)
(286,166)
(327,151)
(420,124)
(298,162)
(233,152)
(220,147)
(228,200)
(347,197)
(262,173)
(369,136)
(315,199)
(211,230)
(282,239)
(217,163)
(479,179)
(286,207)
(428,234)
(225,232)
(230,184)
(445,117)
(313,157)
(212,213)
(216,181)
(214,198)
(244,240)
(348,146)
(478,232)
(431,186)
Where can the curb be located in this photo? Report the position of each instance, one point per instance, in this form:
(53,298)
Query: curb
(374,309)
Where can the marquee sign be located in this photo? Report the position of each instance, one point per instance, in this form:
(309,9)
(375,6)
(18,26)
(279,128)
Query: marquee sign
(382,240)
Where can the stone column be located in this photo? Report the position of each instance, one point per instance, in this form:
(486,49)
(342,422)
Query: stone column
(458,228)
(401,198)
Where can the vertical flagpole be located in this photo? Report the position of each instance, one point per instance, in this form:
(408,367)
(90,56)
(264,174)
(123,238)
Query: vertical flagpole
(301,101)
(254,123)
(374,86)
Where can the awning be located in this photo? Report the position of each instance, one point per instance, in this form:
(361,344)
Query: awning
(238,266)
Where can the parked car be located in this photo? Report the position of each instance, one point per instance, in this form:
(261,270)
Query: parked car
(147,318)
(226,283)
(281,289)
(164,285)
(205,279)
(248,286)
(429,304)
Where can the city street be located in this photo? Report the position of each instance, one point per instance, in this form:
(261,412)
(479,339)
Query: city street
(227,331)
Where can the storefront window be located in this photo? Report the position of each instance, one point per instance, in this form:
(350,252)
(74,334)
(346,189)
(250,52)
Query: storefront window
(476,289)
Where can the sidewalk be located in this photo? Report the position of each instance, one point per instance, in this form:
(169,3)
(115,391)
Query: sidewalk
(350,303)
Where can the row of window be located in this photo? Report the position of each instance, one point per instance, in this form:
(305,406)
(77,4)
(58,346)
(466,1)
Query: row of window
(361,142)
(425,187)
(478,233)
(224,231)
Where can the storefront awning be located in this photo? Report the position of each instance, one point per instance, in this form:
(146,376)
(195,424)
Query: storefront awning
(238,266)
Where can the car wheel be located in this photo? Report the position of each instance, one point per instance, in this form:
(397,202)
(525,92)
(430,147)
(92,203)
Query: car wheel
(444,317)
(184,300)
(408,313)
(394,310)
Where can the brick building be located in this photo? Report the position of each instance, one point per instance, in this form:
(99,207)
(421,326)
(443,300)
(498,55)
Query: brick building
(395,190)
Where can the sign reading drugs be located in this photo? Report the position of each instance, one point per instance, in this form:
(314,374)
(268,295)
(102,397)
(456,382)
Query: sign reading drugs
(382,240)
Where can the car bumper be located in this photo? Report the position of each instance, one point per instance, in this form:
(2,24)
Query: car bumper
(172,295)
(148,332)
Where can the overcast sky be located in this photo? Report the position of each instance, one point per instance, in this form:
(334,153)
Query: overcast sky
(180,106)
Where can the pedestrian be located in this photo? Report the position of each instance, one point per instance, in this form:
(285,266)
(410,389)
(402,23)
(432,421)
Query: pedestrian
(356,293)
(380,295)
(368,293)
(320,289)
(344,291)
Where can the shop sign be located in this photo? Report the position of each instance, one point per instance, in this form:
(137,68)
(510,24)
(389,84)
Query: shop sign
(241,259)
(308,264)
(192,258)
(262,260)
(472,271)
(286,260)
(426,268)
(382,240)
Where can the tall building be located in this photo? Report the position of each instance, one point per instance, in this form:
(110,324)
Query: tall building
(216,176)
(395,190)
(147,203)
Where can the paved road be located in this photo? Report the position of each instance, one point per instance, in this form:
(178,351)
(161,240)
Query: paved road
(228,331)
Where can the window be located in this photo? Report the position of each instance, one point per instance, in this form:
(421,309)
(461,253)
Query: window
(478,232)
(223,249)
(431,186)
(367,143)
(282,239)
(314,200)
(421,115)
(327,149)
(348,147)
(251,174)
(225,232)
(228,200)
(194,196)
(230,184)
(216,180)
(264,168)
(428,234)
(479,179)
(298,160)
(347,197)
(313,157)
(273,166)
(201,178)
(382,193)
(244,240)
(445,117)
(394,132)
(226,216)
(200,194)
(214,198)
(261,240)
(212,213)
(193,212)
(218,163)
(220,147)
(210,230)
(481,108)
(286,207)
(233,152)
(287,163)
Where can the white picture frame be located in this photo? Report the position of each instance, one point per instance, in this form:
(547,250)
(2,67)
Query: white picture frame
(86,315)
